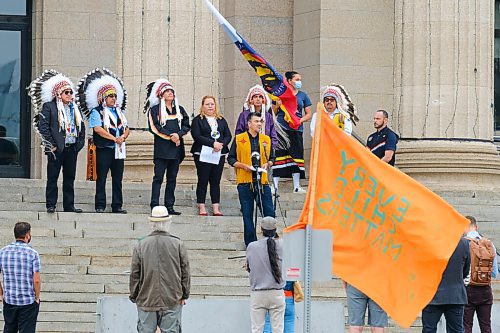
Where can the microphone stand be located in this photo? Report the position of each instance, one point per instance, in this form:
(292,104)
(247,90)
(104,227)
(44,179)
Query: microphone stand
(275,190)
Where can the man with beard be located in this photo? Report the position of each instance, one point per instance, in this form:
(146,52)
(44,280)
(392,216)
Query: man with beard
(383,142)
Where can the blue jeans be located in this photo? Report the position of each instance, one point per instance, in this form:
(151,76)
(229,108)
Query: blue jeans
(247,198)
(289,317)
(454,315)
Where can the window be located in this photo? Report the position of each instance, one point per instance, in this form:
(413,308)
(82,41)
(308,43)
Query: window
(12,7)
(15,67)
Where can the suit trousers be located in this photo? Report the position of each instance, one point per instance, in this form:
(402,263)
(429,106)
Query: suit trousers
(105,161)
(208,173)
(453,313)
(67,161)
(480,301)
(171,166)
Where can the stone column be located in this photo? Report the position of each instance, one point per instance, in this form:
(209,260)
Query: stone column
(174,39)
(443,85)
(349,43)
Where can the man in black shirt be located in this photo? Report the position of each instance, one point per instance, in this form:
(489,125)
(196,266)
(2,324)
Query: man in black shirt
(383,142)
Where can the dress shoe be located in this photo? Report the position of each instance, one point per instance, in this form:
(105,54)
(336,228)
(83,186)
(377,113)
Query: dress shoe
(74,210)
(99,210)
(119,211)
(171,211)
(51,210)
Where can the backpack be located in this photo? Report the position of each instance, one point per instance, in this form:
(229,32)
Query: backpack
(482,254)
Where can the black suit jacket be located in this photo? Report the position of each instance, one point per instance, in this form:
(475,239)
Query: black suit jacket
(165,148)
(49,128)
(201,133)
(451,290)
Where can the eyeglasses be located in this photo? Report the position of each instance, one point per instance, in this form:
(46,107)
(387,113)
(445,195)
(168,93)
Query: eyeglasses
(68,92)
(330,100)
(111,96)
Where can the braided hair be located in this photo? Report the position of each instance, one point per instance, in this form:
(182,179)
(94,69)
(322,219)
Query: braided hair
(272,253)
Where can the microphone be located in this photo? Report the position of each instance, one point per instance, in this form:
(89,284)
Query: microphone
(264,144)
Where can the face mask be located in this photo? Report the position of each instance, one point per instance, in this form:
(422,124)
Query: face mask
(29,240)
(298,84)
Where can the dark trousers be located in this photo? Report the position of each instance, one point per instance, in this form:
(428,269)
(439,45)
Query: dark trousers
(105,161)
(20,318)
(480,301)
(453,313)
(208,173)
(172,168)
(248,195)
(67,161)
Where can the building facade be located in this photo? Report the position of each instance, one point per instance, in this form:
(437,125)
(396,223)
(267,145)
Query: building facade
(433,65)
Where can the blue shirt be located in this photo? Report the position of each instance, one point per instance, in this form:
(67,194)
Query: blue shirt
(18,263)
(95,120)
(303,102)
(70,114)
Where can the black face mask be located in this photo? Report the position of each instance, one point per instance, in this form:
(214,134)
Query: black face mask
(29,240)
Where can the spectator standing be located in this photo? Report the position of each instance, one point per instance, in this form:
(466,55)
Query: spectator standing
(20,268)
(450,296)
(383,142)
(264,263)
(479,295)
(160,279)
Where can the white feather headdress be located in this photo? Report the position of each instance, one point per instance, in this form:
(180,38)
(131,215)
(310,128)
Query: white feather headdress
(344,104)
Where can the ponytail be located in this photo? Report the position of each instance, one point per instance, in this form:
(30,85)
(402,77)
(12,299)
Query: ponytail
(273,255)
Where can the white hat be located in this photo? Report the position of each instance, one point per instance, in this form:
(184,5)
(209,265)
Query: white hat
(268,223)
(160,214)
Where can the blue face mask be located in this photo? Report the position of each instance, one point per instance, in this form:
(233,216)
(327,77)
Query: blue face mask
(298,84)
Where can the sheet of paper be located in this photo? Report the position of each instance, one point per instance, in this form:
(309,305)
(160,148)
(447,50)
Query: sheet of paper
(208,155)
(120,151)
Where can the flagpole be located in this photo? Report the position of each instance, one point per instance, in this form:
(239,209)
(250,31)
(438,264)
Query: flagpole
(308,245)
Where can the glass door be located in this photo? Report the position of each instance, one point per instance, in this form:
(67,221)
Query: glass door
(15,67)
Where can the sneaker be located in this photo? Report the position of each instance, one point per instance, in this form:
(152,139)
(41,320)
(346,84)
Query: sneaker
(299,190)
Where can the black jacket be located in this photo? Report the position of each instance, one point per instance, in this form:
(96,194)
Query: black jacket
(49,128)
(164,147)
(451,290)
(201,133)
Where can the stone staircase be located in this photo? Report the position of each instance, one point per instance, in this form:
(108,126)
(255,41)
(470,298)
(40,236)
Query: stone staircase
(86,256)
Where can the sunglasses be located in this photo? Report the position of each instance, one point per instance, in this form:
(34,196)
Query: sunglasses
(330,100)
(68,92)
(111,96)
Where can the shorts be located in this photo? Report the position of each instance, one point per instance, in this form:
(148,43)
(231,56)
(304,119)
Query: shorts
(357,302)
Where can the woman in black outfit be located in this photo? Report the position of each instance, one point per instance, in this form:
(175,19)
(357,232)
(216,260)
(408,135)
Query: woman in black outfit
(210,129)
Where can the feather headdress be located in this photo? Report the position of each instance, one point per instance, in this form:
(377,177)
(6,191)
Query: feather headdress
(283,141)
(93,88)
(154,93)
(344,104)
(44,89)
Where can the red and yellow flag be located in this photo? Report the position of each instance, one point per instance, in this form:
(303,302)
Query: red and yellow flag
(392,237)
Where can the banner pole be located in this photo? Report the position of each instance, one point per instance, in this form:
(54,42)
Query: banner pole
(308,240)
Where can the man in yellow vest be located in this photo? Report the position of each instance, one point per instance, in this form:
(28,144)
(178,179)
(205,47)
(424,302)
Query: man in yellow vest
(252,155)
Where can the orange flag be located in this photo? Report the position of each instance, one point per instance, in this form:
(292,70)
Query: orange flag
(392,237)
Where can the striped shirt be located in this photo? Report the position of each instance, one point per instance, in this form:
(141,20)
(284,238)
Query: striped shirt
(18,263)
